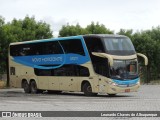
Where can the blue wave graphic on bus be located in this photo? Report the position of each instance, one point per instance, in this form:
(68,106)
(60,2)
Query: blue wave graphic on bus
(58,59)
(127,82)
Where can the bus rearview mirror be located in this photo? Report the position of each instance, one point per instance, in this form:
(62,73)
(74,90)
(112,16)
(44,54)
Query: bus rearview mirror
(145,58)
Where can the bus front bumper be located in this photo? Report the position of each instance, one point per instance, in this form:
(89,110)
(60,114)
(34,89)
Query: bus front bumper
(118,86)
(122,89)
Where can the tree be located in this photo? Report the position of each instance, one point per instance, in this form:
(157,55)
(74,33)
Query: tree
(30,29)
(2,22)
(20,30)
(145,44)
(71,30)
(128,32)
(98,29)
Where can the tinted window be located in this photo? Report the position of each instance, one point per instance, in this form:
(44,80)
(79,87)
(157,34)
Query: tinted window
(41,48)
(52,48)
(73,46)
(100,65)
(119,46)
(44,48)
(12,71)
(66,70)
(94,44)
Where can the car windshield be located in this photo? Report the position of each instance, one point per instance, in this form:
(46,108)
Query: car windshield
(119,46)
(124,69)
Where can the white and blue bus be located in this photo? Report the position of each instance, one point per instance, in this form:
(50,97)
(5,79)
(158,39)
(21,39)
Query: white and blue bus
(87,63)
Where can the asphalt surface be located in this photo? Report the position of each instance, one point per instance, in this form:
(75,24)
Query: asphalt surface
(146,99)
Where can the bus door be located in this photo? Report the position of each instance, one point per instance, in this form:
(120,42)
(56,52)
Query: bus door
(16,74)
(13,77)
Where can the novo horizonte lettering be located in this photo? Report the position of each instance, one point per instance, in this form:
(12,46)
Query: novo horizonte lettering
(47,59)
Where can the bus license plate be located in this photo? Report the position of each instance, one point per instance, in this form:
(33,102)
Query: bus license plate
(127,90)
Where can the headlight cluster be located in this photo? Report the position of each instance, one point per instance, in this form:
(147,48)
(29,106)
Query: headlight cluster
(112,83)
(138,82)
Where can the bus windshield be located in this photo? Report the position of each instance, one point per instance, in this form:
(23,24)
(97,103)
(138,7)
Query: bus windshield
(119,46)
(124,69)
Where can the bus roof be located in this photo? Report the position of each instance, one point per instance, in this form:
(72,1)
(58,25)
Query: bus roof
(104,35)
(69,37)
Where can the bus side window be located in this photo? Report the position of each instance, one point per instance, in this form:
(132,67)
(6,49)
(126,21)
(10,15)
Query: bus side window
(94,44)
(66,70)
(41,72)
(12,71)
(73,46)
(15,50)
(82,71)
(60,71)
(52,47)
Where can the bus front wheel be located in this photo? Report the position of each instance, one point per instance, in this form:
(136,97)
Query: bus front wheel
(87,89)
(54,91)
(111,95)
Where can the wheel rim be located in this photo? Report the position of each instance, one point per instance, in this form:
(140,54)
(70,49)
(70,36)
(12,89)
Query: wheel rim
(25,86)
(33,87)
(89,89)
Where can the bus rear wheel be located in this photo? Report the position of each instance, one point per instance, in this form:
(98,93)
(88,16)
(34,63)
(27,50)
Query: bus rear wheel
(87,89)
(26,87)
(34,89)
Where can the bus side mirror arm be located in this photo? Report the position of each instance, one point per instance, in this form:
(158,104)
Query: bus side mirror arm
(104,55)
(145,58)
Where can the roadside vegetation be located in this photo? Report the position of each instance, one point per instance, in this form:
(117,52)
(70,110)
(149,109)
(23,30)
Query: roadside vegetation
(146,42)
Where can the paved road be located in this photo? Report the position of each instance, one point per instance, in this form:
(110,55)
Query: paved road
(147,99)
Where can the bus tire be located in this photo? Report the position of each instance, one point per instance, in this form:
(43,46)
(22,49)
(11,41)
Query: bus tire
(26,87)
(87,89)
(111,95)
(53,92)
(34,89)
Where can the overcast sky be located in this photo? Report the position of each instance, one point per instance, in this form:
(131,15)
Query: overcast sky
(114,14)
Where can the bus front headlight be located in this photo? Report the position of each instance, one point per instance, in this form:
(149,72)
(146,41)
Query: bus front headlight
(111,83)
(138,83)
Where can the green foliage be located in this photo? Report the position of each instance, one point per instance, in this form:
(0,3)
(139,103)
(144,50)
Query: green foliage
(20,30)
(71,30)
(128,33)
(146,42)
(98,29)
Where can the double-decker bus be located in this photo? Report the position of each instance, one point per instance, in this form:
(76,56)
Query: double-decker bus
(87,63)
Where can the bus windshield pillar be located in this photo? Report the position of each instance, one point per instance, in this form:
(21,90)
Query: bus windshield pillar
(104,55)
